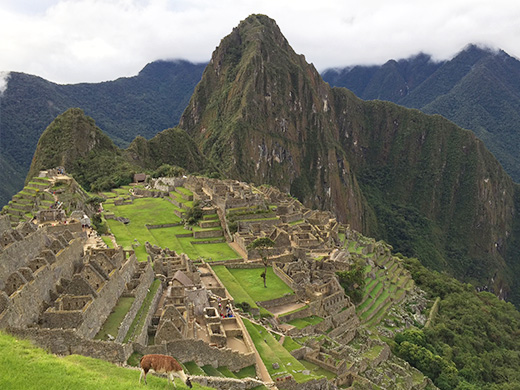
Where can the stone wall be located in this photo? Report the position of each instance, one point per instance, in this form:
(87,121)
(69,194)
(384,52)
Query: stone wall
(68,342)
(107,298)
(164,225)
(285,300)
(5,223)
(73,227)
(207,233)
(282,275)
(187,350)
(306,312)
(139,293)
(26,303)
(142,337)
(18,253)
(315,384)
(221,383)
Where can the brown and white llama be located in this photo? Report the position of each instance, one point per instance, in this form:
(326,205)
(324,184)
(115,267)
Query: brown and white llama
(163,364)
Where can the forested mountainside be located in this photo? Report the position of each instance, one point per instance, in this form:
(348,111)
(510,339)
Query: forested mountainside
(261,113)
(125,108)
(479,89)
(73,141)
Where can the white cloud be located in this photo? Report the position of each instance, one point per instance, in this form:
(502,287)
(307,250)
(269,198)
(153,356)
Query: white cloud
(94,40)
(4,79)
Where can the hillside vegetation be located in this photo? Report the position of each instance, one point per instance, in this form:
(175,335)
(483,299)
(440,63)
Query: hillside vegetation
(74,142)
(261,113)
(472,342)
(27,367)
(125,108)
(478,89)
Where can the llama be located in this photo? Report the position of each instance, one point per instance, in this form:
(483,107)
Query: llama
(163,364)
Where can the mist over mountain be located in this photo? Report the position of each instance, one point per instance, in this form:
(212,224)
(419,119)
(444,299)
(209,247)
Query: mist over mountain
(125,108)
(479,89)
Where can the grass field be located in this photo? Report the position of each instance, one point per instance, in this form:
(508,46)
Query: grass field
(246,285)
(157,211)
(111,325)
(250,280)
(25,367)
(301,323)
(272,352)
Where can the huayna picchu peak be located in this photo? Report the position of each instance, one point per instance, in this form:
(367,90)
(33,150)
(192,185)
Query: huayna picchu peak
(261,113)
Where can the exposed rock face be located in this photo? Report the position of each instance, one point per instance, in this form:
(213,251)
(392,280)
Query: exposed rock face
(262,114)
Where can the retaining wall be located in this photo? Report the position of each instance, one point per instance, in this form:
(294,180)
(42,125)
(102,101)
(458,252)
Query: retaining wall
(207,234)
(67,342)
(26,303)
(186,350)
(142,337)
(140,292)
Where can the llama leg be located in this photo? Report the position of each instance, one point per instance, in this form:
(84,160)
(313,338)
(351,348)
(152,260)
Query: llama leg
(143,375)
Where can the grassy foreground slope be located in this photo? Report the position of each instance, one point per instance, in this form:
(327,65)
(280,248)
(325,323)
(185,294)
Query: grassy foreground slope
(25,367)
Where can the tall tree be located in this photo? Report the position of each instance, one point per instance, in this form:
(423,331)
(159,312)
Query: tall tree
(262,244)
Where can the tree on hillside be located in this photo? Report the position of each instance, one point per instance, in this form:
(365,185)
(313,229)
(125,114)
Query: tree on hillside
(353,281)
(262,244)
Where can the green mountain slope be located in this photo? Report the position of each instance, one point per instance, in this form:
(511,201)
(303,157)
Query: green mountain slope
(431,189)
(262,114)
(478,89)
(74,142)
(125,108)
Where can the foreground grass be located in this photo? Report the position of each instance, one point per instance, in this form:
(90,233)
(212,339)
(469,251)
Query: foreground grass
(26,367)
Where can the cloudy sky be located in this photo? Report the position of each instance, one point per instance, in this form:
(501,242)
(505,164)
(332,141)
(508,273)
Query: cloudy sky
(70,41)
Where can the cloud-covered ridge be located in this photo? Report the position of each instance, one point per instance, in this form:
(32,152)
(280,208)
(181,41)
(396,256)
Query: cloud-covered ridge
(4,78)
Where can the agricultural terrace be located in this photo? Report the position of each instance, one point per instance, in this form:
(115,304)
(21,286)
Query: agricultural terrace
(159,211)
(246,285)
(273,354)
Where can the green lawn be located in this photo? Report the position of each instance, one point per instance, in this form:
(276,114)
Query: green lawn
(193,368)
(166,237)
(183,190)
(138,322)
(233,286)
(290,345)
(317,370)
(251,281)
(246,372)
(156,211)
(301,323)
(187,204)
(246,285)
(107,241)
(272,352)
(25,367)
(111,325)
(211,371)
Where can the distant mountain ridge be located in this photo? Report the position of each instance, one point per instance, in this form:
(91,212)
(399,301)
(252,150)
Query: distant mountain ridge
(479,89)
(125,108)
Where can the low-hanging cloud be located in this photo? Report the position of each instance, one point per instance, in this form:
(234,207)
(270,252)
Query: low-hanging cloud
(89,41)
(4,79)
